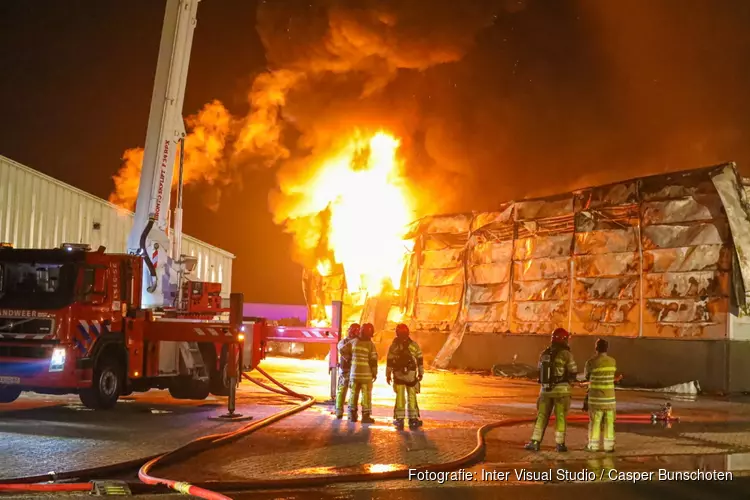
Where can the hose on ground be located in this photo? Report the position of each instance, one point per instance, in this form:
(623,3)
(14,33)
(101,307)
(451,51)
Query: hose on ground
(472,458)
(210,489)
(189,449)
(198,491)
(90,473)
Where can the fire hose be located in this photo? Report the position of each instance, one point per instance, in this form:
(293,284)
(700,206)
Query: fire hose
(191,448)
(210,489)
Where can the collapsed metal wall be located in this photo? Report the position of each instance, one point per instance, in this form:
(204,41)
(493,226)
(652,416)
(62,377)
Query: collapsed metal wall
(321,290)
(436,275)
(650,257)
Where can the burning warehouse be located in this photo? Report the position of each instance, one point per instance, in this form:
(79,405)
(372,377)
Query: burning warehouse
(657,265)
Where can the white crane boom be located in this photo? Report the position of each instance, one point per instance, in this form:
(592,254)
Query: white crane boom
(150,234)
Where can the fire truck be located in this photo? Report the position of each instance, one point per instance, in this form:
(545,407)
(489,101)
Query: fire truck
(101,325)
(72,321)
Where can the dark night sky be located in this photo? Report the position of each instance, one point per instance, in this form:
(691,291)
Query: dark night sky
(552,95)
(76,85)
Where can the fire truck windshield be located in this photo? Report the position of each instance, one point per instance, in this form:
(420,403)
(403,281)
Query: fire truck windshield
(31,285)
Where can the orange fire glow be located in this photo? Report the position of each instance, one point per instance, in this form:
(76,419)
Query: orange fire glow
(370,208)
(204,150)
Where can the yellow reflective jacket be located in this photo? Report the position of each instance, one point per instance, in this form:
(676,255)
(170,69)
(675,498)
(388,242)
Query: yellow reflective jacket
(345,354)
(364,361)
(600,372)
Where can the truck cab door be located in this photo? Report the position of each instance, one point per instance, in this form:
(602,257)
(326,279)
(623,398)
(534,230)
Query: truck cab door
(92,285)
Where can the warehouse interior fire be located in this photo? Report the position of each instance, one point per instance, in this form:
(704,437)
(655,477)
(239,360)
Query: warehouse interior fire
(657,265)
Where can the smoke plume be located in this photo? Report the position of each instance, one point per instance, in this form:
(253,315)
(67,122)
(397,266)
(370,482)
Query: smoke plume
(492,100)
(204,151)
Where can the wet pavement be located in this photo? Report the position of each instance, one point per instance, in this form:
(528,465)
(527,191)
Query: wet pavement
(41,433)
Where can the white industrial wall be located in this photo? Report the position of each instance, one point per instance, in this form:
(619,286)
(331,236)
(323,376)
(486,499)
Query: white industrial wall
(37,211)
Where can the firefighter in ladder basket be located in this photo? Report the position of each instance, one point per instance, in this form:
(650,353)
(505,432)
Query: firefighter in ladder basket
(405,367)
(364,372)
(345,366)
(557,369)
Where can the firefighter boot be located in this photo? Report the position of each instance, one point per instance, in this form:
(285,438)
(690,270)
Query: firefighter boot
(399,424)
(352,417)
(561,448)
(367,419)
(415,423)
(532,446)
(339,416)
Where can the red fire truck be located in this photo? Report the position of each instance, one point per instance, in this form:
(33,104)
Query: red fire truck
(102,325)
(71,321)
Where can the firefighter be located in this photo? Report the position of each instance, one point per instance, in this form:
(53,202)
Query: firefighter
(363,374)
(557,369)
(600,373)
(405,367)
(345,365)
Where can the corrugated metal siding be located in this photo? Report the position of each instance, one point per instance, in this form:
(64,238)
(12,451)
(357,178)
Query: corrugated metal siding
(41,212)
(649,257)
(607,262)
(687,259)
(440,272)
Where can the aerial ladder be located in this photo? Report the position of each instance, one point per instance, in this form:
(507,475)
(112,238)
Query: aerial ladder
(165,265)
(150,236)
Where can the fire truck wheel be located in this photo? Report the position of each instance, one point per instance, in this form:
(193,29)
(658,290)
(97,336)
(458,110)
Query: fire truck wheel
(199,390)
(217,376)
(178,390)
(188,388)
(220,381)
(106,386)
(9,394)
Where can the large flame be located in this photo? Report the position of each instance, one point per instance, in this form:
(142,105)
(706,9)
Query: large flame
(369,207)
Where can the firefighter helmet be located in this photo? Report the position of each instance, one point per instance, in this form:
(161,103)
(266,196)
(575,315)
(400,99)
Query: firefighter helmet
(560,336)
(402,331)
(353,330)
(367,331)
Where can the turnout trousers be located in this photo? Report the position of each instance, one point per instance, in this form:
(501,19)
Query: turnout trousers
(406,402)
(365,389)
(598,420)
(341,392)
(546,404)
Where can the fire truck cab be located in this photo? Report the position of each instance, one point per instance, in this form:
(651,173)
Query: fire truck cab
(71,321)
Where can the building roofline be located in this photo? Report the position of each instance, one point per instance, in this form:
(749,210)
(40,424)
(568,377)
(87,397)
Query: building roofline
(122,211)
(580,190)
